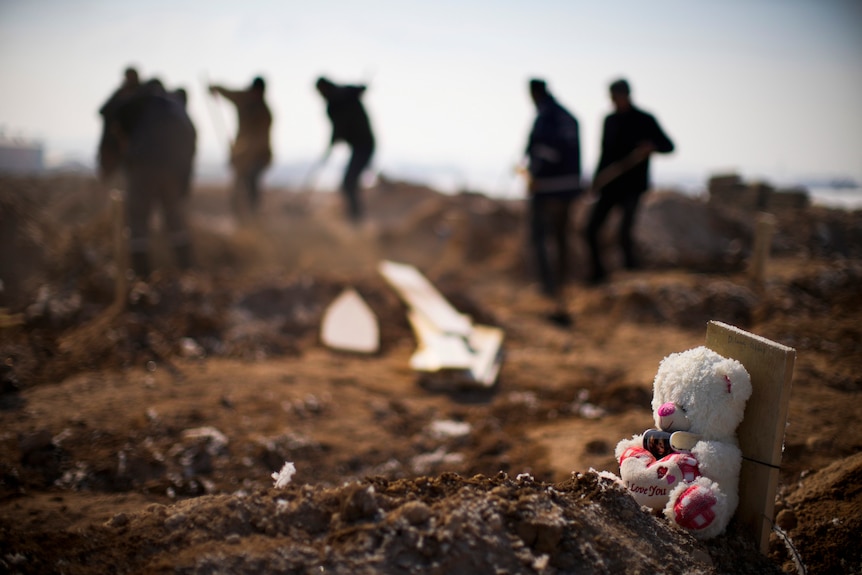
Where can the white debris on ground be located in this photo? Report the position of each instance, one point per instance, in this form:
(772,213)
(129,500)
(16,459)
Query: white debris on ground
(590,411)
(528,399)
(422,464)
(191,349)
(215,436)
(585,409)
(283,477)
(607,480)
(449,428)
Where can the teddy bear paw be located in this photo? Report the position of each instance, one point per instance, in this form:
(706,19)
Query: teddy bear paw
(639,453)
(695,508)
(686,464)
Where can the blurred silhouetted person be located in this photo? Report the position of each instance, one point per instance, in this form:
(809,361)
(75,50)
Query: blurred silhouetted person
(554,155)
(181,96)
(629,137)
(250,154)
(149,130)
(109,158)
(350,125)
(131,82)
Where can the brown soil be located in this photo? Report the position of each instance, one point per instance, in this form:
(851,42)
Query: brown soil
(143,440)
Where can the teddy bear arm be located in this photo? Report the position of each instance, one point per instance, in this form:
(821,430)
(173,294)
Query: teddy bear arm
(719,460)
(623,445)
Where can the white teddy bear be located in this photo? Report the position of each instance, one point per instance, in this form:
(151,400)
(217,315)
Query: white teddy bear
(689,467)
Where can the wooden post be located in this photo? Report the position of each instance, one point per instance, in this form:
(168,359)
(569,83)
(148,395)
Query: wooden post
(121,249)
(81,339)
(762,244)
(761,433)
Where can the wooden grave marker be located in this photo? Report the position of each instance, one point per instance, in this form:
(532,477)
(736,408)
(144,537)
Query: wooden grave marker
(761,433)
(764,230)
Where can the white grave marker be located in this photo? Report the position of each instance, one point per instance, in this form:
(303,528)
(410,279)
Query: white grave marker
(350,325)
(447,340)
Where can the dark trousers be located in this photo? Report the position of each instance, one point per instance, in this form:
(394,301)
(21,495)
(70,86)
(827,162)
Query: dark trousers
(246,191)
(549,239)
(360,157)
(628,203)
(150,189)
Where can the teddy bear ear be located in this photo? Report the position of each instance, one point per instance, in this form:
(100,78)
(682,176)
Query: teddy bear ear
(736,381)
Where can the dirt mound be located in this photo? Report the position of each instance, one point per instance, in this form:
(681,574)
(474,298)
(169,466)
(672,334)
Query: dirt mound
(715,239)
(821,517)
(445,524)
(689,232)
(146,435)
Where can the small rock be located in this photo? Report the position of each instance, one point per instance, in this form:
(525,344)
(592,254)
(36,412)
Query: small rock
(598,447)
(175,521)
(415,512)
(817,443)
(233,539)
(157,509)
(786,519)
(701,557)
(118,520)
(359,503)
(33,444)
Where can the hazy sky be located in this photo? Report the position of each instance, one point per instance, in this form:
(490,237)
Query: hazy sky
(766,87)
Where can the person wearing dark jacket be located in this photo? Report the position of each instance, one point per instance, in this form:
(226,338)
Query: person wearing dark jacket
(157,141)
(109,158)
(131,82)
(629,137)
(554,166)
(350,124)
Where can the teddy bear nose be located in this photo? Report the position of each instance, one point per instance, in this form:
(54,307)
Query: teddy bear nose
(666,409)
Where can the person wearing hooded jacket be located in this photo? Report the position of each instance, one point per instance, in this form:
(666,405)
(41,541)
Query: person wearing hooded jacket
(554,166)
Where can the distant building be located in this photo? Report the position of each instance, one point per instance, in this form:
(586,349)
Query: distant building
(19,156)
